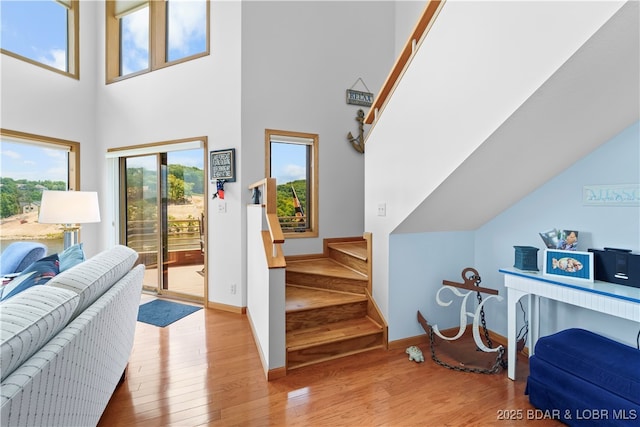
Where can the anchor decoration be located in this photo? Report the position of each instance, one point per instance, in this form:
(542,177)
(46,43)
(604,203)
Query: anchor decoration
(358,142)
(471,284)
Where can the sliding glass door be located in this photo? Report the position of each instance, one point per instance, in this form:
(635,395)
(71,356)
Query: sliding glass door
(163,219)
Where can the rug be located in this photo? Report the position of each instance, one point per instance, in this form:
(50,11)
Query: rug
(162,313)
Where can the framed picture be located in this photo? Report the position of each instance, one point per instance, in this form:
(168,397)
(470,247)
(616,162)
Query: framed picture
(571,264)
(223,165)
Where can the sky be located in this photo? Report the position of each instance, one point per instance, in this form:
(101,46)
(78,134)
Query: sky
(32,162)
(38,30)
(288,162)
(37,163)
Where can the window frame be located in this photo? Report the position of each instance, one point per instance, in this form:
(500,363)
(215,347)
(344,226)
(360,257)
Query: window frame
(73,44)
(73,171)
(312,213)
(157,40)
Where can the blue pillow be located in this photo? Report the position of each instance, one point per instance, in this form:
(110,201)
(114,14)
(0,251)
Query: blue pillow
(71,256)
(38,273)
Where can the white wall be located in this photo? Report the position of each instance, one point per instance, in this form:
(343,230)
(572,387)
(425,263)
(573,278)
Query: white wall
(283,65)
(465,81)
(298,60)
(265,296)
(197,98)
(407,14)
(42,102)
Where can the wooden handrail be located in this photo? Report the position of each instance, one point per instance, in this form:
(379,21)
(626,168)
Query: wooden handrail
(276,236)
(420,30)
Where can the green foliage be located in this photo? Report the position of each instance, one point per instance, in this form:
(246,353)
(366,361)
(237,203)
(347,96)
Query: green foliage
(285,197)
(191,175)
(183,182)
(15,193)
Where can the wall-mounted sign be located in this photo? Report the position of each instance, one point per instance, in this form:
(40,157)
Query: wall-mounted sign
(223,165)
(611,195)
(356,97)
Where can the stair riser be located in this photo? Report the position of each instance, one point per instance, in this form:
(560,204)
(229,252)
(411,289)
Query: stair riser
(325,282)
(322,316)
(333,350)
(346,259)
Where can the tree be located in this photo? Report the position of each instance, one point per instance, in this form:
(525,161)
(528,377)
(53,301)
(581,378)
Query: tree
(8,198)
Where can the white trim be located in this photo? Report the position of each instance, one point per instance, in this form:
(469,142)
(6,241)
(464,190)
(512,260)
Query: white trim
(125,7)
(153,149)
(111,209)
(291,139)
(65,3)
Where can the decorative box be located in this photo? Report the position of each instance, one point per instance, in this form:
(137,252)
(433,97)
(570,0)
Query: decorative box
(526,258)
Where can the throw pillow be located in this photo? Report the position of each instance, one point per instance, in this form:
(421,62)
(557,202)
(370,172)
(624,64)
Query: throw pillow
(71,256)
(38,273)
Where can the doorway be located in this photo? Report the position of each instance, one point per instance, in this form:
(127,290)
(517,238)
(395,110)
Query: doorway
(162,217)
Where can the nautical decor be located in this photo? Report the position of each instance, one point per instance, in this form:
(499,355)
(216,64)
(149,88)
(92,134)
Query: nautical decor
(471,283)
(357,97)
(358,142)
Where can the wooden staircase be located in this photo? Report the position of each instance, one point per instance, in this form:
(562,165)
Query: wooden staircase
(329,309)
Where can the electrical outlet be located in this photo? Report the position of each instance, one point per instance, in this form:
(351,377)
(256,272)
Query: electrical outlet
(233,289)
(382,209)
(222,207)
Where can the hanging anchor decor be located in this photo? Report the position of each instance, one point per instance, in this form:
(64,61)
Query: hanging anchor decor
(356,97)
(471,283)
(358,142)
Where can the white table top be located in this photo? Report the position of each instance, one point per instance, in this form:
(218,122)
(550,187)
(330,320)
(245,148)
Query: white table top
(622,292)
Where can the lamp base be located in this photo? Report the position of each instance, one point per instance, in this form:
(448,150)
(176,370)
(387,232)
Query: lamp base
(70,235)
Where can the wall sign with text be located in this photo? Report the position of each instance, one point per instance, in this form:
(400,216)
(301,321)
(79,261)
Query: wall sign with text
(223,165)
(611,195)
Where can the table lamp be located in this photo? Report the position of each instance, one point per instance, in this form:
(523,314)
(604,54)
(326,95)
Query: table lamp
(69,209)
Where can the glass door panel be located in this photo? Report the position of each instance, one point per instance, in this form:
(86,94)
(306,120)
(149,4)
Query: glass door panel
(165,220)
(185,222)
(142,228)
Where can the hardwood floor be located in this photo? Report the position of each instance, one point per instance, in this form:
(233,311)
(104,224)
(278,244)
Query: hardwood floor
(205,370)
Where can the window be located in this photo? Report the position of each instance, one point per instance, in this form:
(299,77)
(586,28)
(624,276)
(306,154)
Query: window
(146,35)
(292,159)
(44,33)
(30,165)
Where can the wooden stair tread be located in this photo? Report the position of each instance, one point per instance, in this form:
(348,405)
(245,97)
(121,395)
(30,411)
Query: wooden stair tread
(355,249)
(331,332)
(324,267)
(299,298)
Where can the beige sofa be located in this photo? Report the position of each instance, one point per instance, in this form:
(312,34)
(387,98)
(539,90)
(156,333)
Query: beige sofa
(65,345)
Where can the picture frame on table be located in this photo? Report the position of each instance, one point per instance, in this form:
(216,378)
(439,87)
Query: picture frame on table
(571,264)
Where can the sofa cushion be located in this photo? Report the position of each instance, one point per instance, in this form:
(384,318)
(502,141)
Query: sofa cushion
(38,273)
(93,277)
(29,320)
(71,257)
(19,255)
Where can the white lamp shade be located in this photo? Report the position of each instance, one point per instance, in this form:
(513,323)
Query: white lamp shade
(69,207)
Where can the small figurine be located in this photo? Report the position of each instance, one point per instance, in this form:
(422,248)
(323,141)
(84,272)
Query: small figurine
(415,354)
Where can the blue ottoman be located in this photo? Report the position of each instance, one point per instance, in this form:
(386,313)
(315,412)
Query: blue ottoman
(583,379)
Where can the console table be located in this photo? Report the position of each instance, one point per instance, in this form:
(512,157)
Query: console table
(616,300)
